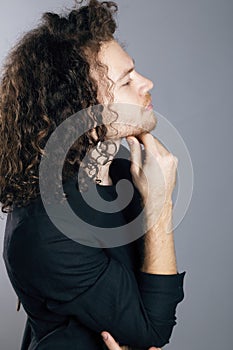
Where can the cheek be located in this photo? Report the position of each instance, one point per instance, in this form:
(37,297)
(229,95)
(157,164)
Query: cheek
(125,95)
(105,93)
(130,120)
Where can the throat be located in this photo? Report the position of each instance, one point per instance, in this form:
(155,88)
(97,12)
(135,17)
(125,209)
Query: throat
(103,177)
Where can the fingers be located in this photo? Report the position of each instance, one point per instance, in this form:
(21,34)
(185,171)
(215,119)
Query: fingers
(150,143)
(136,155)
(150,146)
(110,342)
(113,345)
(153,144)
(162,149)
(147,139)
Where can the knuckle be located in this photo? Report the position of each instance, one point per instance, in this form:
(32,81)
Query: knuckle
(134,169)
(172,158)
(175,160)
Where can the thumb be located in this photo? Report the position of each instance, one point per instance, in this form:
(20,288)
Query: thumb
(135,155)
(110,342)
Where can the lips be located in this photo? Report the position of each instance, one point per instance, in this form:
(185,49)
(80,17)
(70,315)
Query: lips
(148,102)
(149,106)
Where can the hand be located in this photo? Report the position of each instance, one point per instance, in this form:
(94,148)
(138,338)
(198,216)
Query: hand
(159,167)
(113,345)
(155,178)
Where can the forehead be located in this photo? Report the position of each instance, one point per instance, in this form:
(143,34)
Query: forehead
(115,58)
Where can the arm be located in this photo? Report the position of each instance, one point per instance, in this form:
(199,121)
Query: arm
(158,287)
(155,179)
(159,246)
(112,297)
(100,292)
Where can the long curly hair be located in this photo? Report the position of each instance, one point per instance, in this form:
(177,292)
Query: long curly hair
(46,79)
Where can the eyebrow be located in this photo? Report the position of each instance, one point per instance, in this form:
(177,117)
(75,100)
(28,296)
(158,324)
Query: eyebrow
(126,72)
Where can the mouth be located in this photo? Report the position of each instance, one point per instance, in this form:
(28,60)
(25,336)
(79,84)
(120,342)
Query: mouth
(149,106)
(148,102)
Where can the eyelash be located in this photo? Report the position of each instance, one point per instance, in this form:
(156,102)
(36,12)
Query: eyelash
(128,83)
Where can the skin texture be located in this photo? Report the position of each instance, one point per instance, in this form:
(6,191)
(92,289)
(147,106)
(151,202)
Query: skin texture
(157,196)
(129,88)
(131,96)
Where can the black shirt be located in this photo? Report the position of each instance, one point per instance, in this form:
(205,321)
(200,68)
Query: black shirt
(71,292)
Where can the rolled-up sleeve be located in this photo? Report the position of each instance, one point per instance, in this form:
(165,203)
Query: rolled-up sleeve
(97,290)
(137,310)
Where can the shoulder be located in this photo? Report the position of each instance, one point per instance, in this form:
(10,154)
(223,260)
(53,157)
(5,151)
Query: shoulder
(37,254)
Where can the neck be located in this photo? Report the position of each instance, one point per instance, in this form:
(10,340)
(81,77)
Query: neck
(102,176)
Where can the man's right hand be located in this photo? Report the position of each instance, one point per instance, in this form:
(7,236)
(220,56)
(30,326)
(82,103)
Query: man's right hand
(113,345)
(155,178)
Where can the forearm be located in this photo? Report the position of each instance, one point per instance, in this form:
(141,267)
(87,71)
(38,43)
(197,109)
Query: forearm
(159,251)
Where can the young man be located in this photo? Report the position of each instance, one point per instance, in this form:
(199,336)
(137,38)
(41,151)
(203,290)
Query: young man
(71,291)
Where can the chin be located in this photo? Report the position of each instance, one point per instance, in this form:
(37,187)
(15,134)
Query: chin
(135,131)
(150,122)
(123,127)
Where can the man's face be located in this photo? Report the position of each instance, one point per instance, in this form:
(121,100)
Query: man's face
(132,102)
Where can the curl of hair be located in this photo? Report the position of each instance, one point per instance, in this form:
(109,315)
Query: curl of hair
(46,79)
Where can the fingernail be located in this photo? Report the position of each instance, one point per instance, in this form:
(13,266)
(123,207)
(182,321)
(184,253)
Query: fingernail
(105,336)
(130,141)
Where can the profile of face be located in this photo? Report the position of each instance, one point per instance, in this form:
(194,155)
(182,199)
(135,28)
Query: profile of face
(130,90)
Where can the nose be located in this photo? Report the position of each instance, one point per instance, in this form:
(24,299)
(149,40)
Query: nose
(144,84)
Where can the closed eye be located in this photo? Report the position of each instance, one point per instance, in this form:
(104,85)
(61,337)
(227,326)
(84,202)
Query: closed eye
(127,83)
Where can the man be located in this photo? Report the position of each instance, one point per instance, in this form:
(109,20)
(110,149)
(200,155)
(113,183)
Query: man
(71,289)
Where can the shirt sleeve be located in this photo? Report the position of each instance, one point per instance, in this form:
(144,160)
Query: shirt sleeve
(100,292)
(139,314)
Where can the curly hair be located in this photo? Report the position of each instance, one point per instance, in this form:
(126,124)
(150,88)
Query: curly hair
(46,79)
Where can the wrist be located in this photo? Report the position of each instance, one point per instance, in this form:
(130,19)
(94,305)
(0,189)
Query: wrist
(158,218)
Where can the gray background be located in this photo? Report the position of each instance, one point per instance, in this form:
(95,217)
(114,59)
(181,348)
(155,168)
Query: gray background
(186,48)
